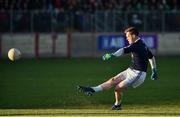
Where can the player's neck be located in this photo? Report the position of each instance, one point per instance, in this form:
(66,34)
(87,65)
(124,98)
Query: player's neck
(135,39)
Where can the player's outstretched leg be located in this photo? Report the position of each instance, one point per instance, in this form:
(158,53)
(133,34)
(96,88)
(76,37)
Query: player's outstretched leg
(86,90)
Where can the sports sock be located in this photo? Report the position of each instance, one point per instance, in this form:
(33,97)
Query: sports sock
(97,88)
(117,103)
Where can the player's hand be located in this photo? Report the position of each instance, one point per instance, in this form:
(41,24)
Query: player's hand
(154,74)
(107,56)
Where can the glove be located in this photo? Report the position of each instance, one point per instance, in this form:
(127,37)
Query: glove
(107,56)
(154,74)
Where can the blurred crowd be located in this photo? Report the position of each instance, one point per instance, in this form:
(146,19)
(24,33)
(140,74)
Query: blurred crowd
(80,15)
(90,5)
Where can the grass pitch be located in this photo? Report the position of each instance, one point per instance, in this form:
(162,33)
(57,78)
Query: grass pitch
(48,87)
(128,111)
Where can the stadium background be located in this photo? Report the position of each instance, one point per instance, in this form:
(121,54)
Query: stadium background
(62,42)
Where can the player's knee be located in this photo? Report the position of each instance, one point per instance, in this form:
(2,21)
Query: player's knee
(112,80)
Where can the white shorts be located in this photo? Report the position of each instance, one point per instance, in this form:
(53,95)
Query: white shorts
(131,77)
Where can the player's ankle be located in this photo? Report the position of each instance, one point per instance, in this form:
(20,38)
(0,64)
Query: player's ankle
(97,88)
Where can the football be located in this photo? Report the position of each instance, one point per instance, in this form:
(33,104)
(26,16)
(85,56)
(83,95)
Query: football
(14,54)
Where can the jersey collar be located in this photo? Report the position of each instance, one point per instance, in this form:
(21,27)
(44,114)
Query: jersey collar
(137,39)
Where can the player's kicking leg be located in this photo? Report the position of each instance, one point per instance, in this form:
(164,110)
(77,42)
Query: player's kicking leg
(86,90)
(104,86)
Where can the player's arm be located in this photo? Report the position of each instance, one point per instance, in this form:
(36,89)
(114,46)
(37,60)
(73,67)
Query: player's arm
(115,54)
(119,52)
(152,62)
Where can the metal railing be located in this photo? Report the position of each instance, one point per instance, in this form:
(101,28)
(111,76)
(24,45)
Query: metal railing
(99,21)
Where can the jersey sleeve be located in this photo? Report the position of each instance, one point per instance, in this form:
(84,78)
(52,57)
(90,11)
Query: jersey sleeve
(150,55)
(119,52)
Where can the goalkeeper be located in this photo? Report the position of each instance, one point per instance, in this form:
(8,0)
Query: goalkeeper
(133,76)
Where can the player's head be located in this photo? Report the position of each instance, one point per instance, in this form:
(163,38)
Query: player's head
(131,34)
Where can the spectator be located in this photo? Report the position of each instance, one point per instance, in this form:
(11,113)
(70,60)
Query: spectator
(90,5)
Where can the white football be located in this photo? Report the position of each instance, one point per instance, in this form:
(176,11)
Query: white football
(14,54)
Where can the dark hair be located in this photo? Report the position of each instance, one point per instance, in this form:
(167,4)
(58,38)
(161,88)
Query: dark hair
(132,30)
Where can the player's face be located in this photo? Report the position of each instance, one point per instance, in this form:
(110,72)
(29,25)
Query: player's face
(129,37)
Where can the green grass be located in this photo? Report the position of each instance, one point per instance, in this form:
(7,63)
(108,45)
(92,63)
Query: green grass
(129,110)
(51,84)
